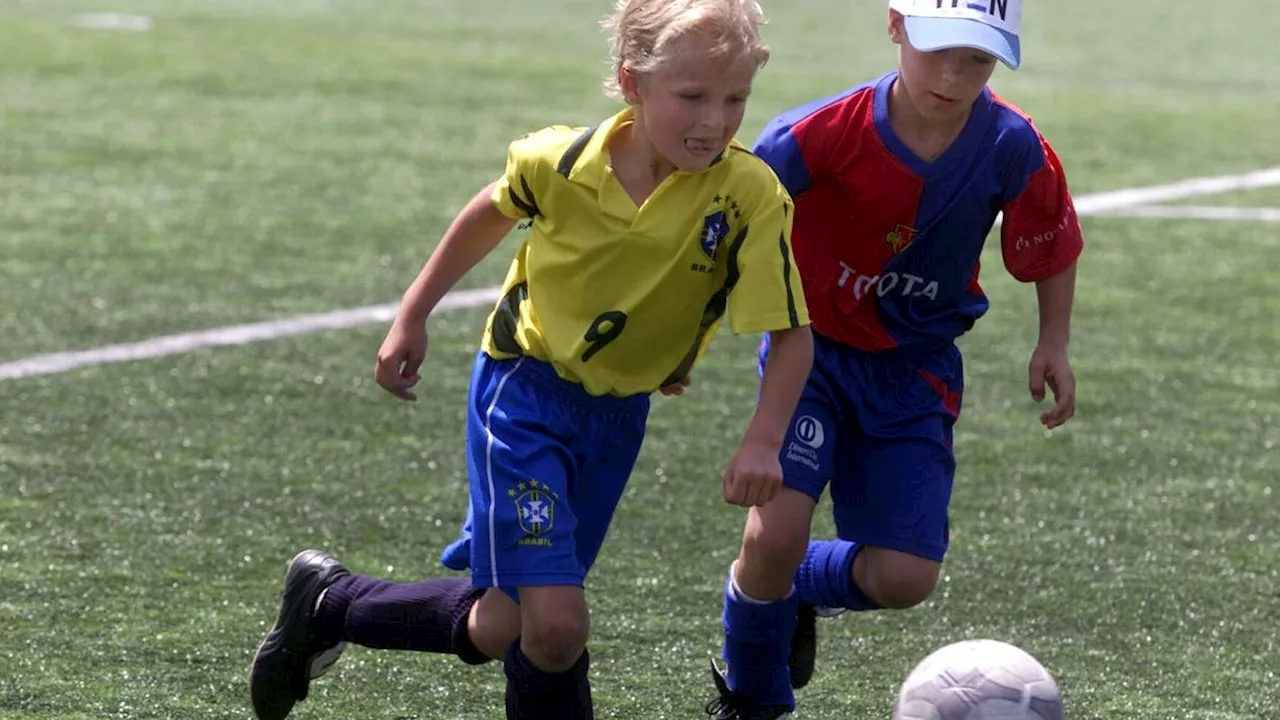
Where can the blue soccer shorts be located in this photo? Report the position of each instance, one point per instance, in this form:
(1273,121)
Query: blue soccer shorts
(547,464)
(878,428)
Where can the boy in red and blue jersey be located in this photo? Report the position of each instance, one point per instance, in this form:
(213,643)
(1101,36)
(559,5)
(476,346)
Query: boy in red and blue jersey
(897,184)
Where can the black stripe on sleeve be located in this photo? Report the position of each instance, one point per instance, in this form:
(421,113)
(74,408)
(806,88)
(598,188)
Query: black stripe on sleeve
(527,204)
(792,315)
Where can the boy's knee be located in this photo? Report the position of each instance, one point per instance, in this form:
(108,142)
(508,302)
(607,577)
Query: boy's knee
(555,643)
(898,580)
(494,623)
(773,550)
(777,536)
(554,627)
(904,592)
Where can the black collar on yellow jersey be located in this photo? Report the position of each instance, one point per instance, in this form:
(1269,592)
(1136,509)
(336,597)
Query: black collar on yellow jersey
(585,159)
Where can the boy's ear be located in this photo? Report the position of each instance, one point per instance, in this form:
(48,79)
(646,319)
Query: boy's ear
(897,27)
(629,83)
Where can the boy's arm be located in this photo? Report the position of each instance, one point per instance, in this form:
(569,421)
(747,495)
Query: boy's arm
(754,475)
(1049,362)
(482,224)
(790,359)
(477,230)
(1041,241)
(769,298)
(1041,236)
(1056,295)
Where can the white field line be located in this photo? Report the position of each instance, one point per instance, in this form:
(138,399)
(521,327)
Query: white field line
(1193,187)
(226,336)
(113,21)
(1200,212)
(60,362)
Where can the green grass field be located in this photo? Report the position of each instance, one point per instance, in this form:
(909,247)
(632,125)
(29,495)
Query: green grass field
(246,161)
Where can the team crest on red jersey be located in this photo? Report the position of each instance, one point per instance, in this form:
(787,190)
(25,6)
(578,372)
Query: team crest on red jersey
(900,237)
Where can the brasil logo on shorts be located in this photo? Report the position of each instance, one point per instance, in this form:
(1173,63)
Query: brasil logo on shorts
(535,510)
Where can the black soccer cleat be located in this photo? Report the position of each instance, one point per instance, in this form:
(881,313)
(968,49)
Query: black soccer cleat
(804,646)
(291,656)
(734,706)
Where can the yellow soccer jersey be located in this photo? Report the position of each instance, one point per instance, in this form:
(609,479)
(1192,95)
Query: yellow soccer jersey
(624,300)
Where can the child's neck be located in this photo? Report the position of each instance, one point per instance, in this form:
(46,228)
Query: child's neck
(636,164)
(927,138)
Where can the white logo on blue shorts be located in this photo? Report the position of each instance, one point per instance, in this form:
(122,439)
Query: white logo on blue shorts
(810,432)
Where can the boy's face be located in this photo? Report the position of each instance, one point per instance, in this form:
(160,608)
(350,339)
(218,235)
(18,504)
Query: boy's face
(942,84)
(692,105)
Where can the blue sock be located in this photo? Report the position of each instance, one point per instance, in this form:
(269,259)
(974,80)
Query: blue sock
(825,578)
(757,645)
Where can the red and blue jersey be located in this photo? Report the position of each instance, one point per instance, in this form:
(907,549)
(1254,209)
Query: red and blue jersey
(887,244)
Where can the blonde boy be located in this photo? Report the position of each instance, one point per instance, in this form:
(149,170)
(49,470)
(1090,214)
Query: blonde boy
(645,230)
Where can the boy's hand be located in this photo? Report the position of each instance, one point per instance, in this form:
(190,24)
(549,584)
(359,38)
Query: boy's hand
(675,388)
(400,356)
(1050,366)
(754,475)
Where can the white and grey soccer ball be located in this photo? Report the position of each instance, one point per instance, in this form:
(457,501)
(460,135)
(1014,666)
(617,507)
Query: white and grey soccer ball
(979,680)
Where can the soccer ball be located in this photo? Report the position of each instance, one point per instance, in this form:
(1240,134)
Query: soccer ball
(979,680)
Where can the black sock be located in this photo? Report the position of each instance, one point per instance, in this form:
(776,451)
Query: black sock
(429,616)
(533,694)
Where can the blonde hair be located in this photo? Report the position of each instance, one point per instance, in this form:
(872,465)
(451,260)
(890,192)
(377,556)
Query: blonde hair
(646,32)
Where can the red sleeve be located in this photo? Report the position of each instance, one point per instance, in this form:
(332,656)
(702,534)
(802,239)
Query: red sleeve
(1040,235)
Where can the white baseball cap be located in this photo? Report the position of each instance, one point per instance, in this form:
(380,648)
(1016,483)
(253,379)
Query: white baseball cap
(988,25)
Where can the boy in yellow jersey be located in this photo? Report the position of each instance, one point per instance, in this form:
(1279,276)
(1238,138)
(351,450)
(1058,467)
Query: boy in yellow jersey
(646,230)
